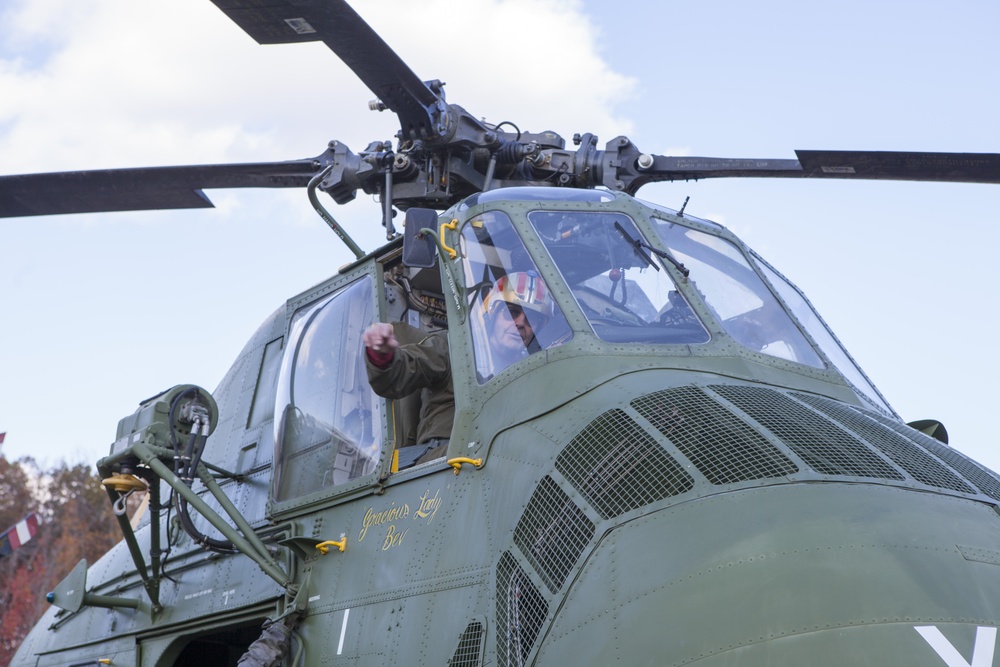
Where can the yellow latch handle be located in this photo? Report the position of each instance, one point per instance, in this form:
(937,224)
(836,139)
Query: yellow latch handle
(456,463)
(325,546)
(453,225)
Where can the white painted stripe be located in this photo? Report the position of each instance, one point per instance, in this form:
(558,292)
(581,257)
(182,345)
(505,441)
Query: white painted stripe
(987,638)
(982,652)
(343,632)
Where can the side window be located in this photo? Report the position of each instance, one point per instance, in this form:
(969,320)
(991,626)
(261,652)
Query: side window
(827,342)
(511,314)
(263,408)
(327,425)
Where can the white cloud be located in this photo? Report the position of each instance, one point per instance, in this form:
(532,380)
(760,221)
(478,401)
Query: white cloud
(124,83)
(130,84)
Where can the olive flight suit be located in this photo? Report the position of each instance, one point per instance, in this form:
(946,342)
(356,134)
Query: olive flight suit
(420,363)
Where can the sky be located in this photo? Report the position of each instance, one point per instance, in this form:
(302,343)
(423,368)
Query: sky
(98,312)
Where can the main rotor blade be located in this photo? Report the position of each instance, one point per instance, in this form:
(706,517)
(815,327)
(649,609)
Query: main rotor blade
(902,166)
(143,189)
(862,165)
(338,26)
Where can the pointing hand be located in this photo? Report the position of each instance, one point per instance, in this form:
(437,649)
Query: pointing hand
(380,338)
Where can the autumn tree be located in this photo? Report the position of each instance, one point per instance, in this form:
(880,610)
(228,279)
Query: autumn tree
(77,522)
(78,517)
(16,501)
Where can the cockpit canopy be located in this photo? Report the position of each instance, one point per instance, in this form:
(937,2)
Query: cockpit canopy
(639,275)
(536,273)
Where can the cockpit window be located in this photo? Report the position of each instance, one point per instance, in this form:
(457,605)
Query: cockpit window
(511,312)
(618,279)
(737,296)
(327,428)
(827,342)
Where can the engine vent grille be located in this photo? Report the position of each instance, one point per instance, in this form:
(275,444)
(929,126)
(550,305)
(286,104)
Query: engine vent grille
(520,613)
(825,447)
(469,644)
(723,447)
(982,478)
(901,450)
(552,532)
(618,467)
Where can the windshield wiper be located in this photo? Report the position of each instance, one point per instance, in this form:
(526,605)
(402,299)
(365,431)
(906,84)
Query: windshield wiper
(639,244)
(636,246)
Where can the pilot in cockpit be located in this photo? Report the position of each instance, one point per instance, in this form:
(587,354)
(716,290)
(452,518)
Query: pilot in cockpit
(401,360)
(515,309)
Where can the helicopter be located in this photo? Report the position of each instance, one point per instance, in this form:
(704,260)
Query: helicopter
(217,70)
(763,212)
(533,604)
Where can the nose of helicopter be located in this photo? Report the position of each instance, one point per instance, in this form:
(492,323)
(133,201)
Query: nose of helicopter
(817,574)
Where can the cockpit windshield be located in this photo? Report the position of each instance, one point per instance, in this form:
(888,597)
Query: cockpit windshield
(624,284)
(736,295)
(617,278)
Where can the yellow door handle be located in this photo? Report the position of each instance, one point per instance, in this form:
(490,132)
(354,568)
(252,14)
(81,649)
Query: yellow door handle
(325,546)
(456,463)
(453,225)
